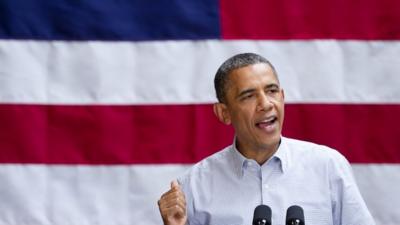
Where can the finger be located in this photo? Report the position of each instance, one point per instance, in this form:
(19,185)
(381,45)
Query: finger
(176,207)
(173,208)
(175,185)
(174,212)
(167,203)
(173,201)
(172,195)
(167,208)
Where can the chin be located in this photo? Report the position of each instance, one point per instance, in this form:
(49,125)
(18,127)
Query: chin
(271,140)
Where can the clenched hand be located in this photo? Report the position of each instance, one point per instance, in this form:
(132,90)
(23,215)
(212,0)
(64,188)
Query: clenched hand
(172,205)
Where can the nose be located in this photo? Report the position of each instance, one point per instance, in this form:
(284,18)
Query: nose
(264,103)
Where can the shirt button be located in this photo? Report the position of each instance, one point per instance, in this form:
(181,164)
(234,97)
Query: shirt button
(266,186)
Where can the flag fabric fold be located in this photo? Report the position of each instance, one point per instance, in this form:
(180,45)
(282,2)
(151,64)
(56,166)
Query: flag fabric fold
(102,104)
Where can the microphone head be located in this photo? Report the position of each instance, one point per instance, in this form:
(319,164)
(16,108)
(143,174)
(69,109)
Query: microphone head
(294,215)
(262,215)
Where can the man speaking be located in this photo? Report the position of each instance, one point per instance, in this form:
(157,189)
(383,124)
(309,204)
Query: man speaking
(261,166)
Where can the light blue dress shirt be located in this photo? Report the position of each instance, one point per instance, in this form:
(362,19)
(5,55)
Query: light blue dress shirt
(224,188)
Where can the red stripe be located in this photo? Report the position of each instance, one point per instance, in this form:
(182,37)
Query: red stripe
(310,19)
(363,133)
(109,134)
(181,133)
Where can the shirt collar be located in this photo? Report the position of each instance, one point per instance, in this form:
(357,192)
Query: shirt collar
(282,154)
(238,160)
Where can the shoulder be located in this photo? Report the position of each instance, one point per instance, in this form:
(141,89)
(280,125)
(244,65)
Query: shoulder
(313,153)
(197,182)
(205,167)
(321,161)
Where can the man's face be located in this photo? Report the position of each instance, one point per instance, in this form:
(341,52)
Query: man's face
(255,107)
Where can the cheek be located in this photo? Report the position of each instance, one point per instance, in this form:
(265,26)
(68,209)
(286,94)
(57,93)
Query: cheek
(281,113)
(282,110)
(280,106)
(241,118)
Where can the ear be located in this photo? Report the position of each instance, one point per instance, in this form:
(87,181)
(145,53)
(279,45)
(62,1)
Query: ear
(283,94)
(222,113)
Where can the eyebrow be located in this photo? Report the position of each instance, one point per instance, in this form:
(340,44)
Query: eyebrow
(272,86)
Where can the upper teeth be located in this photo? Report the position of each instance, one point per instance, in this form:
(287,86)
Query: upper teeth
(268,120)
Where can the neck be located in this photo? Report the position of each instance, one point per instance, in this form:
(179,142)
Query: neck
(260,154)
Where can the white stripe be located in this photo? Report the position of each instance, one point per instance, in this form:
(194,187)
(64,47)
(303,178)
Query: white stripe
(379,185)
(171,72)
(47,195)
(39,194)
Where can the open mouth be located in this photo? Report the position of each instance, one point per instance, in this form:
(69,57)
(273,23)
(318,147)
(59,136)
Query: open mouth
(267,123)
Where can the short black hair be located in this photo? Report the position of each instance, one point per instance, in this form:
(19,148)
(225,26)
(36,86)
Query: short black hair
(235,62)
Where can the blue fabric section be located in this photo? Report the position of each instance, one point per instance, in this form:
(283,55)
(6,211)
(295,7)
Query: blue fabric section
(109,19)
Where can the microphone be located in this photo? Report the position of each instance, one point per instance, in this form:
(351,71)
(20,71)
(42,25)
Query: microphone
(262,215)
(294,215)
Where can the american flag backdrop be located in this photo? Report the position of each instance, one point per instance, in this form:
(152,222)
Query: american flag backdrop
(103,103)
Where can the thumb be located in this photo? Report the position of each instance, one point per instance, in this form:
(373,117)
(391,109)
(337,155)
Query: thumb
(175,185)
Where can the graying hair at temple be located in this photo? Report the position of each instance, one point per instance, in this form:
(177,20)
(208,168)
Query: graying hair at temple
(235,62)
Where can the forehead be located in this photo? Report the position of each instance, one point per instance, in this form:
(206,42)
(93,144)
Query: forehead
(251,76)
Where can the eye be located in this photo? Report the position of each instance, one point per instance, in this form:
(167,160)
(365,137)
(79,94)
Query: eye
(273,91)
(248,96)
